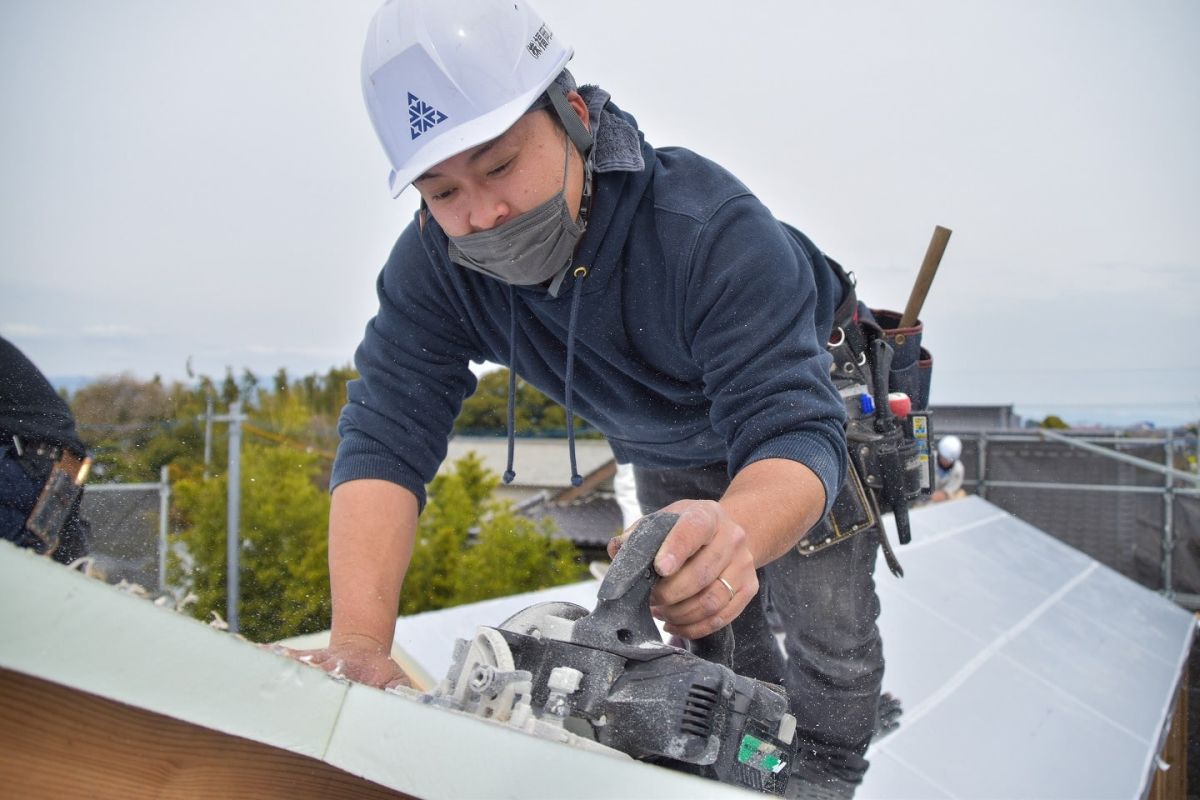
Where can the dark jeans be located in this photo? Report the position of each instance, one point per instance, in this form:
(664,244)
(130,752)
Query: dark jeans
(828,607)
(18,492)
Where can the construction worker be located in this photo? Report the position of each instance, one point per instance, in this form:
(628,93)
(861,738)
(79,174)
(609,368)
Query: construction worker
(43,463)
(950,471)
(645,289)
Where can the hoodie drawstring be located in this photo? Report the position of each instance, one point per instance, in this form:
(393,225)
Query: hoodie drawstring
(580,273)
(512,383)
(576,479)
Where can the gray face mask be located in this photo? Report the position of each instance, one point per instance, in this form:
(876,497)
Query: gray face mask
(529,249)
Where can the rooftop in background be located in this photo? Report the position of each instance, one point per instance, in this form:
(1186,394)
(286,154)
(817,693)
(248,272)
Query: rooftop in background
(956,418)
(540,463)
(587,515)
(589,521)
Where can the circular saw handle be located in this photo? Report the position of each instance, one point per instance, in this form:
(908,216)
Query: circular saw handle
(621,622)
(632,570)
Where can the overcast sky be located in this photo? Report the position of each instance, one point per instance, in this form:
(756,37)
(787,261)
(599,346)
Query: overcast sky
(199,179)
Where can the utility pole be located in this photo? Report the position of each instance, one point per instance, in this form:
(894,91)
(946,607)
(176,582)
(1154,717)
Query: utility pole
(1168,540)
(164,512)
(233,539)
(208,422)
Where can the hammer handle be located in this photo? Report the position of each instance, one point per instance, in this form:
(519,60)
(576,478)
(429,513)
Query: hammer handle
(933,257)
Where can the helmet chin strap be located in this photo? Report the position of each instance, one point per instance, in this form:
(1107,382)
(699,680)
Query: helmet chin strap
(580,136)
(570,120)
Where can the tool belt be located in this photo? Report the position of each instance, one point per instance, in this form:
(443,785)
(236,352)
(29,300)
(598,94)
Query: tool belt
(61,475)
(883,375)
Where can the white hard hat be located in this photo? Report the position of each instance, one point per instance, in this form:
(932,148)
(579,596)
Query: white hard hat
(950,448)
(442,77)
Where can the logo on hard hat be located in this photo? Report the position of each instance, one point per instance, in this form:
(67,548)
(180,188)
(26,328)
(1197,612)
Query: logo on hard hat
(540,41)
(422,116)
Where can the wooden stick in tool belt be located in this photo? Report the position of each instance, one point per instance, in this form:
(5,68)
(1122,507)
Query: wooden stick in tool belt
(933,257)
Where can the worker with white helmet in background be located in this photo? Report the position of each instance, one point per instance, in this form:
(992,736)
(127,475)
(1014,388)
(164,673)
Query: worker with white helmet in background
(646,290)
(950,471)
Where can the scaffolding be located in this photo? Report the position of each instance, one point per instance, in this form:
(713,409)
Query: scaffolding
(1095,494)
(122,517)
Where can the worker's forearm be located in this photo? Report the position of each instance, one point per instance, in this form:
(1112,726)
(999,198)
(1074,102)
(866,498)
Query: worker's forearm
(372,525)
(775,501)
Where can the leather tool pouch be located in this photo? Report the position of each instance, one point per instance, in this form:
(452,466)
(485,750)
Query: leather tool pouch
(859,503)
(912,365)
(57,501)
(853,512)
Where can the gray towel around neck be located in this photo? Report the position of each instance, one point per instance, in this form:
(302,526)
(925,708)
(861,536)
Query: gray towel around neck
(617,146)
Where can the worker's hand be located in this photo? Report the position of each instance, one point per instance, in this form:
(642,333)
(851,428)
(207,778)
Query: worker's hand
(359,658)
(705,546)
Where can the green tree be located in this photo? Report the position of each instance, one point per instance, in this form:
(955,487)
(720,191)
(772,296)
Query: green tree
(471,547)
(486,411)
(133,427)
(229,387)
(442,533)
(121,400)
(1053,421)
(284,575)
(468,546)
(514,554)
(248,385)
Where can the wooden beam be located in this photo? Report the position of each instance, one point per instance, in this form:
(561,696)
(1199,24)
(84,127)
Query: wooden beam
(60,742)
(1172,783)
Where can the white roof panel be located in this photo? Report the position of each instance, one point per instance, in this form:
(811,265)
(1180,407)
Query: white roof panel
(82,633)
(1004,732)
(1020,662)
(1025,668)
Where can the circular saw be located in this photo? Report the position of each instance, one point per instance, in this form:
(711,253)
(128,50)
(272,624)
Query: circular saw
(605,680)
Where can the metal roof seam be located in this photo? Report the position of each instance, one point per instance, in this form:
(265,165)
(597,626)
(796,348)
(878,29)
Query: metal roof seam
(925,776)
(1067,693)
(1099,622)
(984,655)
(919,544)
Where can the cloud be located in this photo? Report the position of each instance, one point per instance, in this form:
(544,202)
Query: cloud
(110,330)
(304,352)
(19,330)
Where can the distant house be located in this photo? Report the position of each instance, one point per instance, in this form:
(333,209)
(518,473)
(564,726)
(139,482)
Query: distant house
(586,514)
(959,419)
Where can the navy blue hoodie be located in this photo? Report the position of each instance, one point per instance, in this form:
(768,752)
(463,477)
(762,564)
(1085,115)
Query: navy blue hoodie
(698,340)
